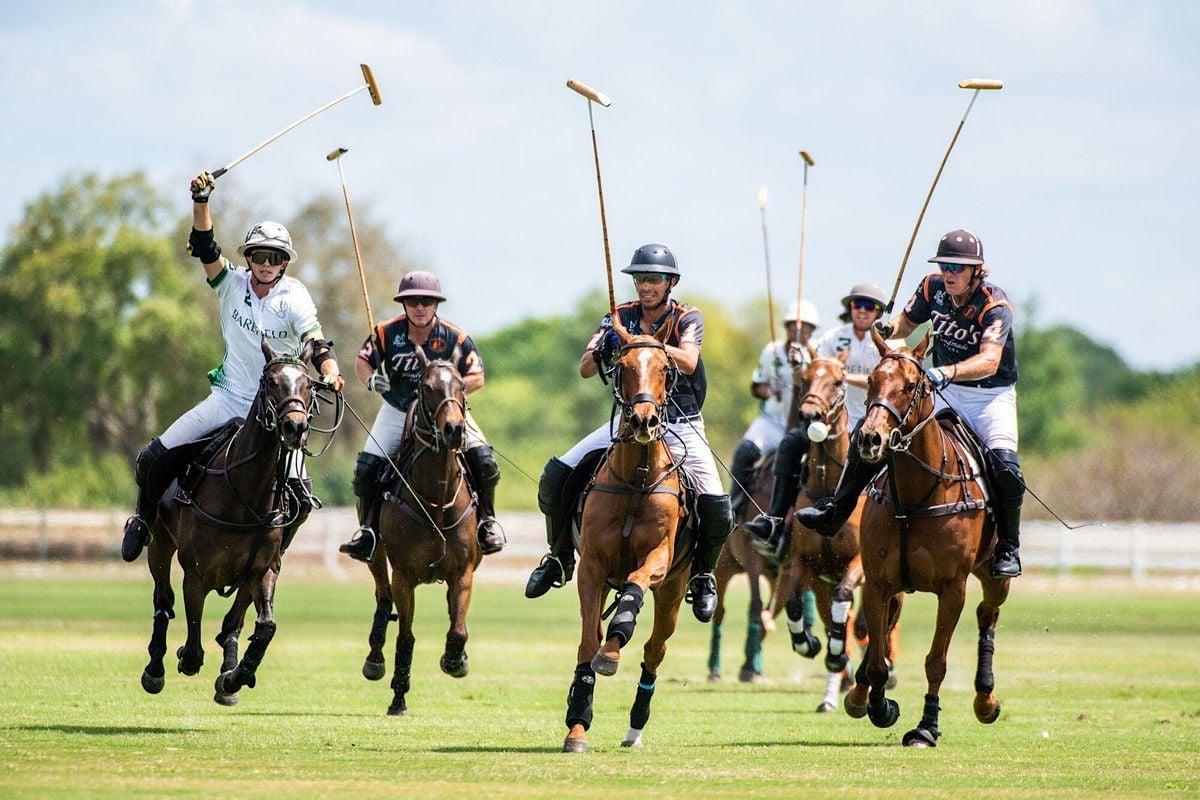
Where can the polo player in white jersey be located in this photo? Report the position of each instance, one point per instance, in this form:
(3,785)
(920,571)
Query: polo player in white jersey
(257,303)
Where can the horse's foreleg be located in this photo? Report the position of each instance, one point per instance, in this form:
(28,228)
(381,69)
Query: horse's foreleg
(995,592)
(882,711)
(458,600)
(227,640)
(667,598)
(950,605)
(262,591)
(375,666)
(590,584)
(752,666)
(726,569)
(838,654)
(191,655)
(158,558)
(833,667)
(402,596)
(799,578)
(629,605)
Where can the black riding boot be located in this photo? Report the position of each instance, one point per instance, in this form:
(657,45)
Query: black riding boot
(769,536)
(745,457)
(485,474)
(1010,492)
(137,527)
(829,514)
(713,524)
(559,564)
(367,467)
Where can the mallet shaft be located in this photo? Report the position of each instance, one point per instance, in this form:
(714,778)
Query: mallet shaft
(362,274)
(808,161)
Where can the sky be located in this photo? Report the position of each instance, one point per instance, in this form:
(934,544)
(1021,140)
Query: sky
(1079,177)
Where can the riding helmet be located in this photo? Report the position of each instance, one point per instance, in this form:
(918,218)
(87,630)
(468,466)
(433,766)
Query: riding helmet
(420,284)
(959,247)
(652,258)
(270,235)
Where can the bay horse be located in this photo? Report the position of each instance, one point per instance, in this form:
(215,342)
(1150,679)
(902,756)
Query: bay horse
(426,528)
(230,528)
(629,538)
(831,566)
(926,529)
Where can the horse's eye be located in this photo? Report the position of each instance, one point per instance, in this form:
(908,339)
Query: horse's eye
(910,386)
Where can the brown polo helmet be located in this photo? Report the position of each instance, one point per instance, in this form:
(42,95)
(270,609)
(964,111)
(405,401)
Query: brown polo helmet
(959,247)
(420,284)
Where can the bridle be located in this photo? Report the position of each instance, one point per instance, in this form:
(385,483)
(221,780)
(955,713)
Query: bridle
(828,410)
(898,440)
(425,427)
(626,406)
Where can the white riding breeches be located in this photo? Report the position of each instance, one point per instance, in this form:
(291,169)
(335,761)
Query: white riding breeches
(685,440)
(211,413)
(766,433)
(388,432)
(991,413)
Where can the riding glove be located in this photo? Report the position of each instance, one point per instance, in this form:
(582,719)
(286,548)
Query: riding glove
(379,383)
(202,186)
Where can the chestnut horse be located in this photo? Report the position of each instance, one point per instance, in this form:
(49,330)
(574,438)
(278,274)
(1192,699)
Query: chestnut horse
(230,530)
(629,539)
(925,530)
(832,566)
(427,528)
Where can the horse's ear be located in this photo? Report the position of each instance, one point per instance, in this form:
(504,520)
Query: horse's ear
(880,342)
(306,350)
(812,352)
(622,332)
(267,352)
(422,359)
(844,355)
(922,347)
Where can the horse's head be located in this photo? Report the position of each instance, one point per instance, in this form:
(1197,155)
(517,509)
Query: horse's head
(286,396)
(442,402)
(898,399)
(644,378)
(826,392)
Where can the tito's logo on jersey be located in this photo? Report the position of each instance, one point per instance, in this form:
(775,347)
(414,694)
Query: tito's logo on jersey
(950,332)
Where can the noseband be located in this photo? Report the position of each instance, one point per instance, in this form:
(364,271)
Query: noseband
(897,439)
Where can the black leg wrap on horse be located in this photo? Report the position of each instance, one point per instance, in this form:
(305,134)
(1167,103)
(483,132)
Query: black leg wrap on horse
(625,619)
(229,651)
(579,696)
(379,623)
(745,457)
(985,681)
(263,633)
(400,680)
(639,715)
(158,638)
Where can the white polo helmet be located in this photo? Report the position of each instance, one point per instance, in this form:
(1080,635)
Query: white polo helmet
(268,234)
(806,312)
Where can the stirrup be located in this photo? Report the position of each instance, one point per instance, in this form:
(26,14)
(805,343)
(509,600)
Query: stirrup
(561,581)
(481,528)
(362,532)
(689,596)
(774,546)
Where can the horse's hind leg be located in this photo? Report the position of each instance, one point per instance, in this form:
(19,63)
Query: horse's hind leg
(583,685)
(667,598)
(191,655)
(950,605)
(995,592)
(158,557)
(458,600)
(402,596)
(262,590)
(375,666)
(227,639)
(795,582)
(726,569)
(752,666)
(882,711)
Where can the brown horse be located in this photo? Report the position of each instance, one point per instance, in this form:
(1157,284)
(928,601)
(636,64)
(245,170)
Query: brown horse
(427,528)
(629,539)
(926,529)
(230,529)
(740,557)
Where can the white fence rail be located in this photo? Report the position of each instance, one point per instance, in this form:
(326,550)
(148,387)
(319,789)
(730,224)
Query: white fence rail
(1137,548)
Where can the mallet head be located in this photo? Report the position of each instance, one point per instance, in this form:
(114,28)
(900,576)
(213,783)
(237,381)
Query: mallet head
(589,92)
(336,154)
(762,197)
(372,86)
(807,158)
(980,83)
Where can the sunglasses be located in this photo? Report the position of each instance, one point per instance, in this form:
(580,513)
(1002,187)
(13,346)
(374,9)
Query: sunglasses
(863,304)
(420,301)
(272,257)
(953,269)
(654,279)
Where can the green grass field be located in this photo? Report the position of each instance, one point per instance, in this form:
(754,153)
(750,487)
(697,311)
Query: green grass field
(1100,689)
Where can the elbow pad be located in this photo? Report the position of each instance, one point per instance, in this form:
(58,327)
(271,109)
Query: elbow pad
(203,245)
(322,351)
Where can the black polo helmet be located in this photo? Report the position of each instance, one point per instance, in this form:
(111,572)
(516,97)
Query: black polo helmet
(652,258)
(959,247)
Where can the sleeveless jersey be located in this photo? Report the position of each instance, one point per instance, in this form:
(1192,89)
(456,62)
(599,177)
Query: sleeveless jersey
(446,341)
(682,323)
(985,317)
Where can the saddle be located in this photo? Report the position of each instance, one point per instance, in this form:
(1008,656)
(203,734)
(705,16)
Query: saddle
(180,469)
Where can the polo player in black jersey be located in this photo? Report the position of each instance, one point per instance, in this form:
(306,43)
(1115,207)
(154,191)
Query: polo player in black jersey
(975,369)
(395,374)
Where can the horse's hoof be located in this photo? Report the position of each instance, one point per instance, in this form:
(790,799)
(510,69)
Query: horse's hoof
(892,680)
(854,709)
(398,708)
(452,669)
(374,670)
(985,711)
(714,676)
(633,738)
(884,715)
(805,644)
(920,737)
(835,663)
(185,665)
(223,699)
(827,708)
(152,684)
(223,683)
(749,675)
(574,745)
(603,665)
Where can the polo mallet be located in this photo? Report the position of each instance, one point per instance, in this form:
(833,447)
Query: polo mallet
(808,162)
(594,96)
(336,156)
(978,84)
(369,85)
(762,211)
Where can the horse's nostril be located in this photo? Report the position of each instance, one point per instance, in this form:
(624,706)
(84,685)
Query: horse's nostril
(653,422)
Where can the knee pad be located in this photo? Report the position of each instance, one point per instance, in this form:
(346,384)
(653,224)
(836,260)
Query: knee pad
(625,619)
(482,462)
(791,452)
(552,485)
(146,460)
(1006,468)
(366,474)
(715,517)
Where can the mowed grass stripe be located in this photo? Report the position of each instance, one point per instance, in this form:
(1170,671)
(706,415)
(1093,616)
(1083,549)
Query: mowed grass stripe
(1101,694)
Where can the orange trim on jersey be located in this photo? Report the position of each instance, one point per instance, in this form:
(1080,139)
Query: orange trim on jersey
(925,286)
